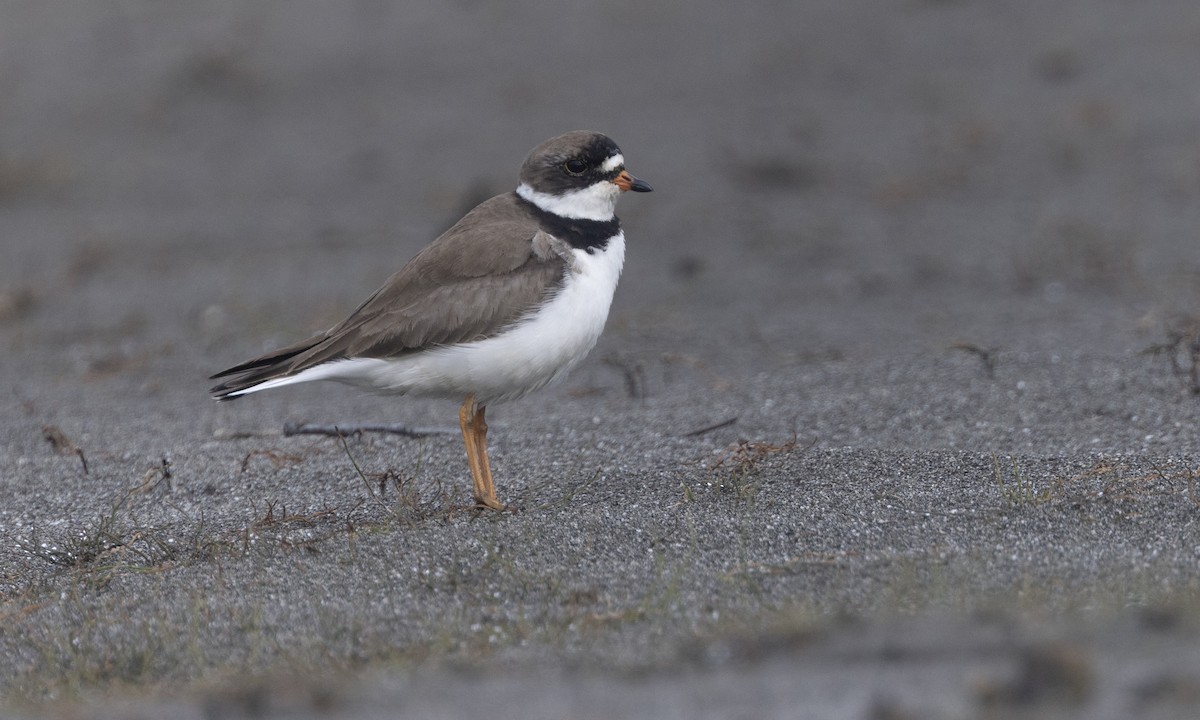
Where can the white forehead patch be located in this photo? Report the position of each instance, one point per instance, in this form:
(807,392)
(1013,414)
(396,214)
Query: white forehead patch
(613,163)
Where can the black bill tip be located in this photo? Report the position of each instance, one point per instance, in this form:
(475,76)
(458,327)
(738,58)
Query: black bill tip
(640,186)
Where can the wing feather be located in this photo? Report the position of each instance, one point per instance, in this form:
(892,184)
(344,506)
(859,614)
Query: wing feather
(464,286)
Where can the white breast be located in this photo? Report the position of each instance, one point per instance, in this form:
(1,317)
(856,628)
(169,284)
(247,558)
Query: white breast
(540,349)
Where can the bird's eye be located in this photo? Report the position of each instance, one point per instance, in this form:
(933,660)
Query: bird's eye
(576,166)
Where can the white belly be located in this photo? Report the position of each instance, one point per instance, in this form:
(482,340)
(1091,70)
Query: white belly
(539,350)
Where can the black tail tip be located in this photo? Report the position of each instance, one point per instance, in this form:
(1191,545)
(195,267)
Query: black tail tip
(223,393)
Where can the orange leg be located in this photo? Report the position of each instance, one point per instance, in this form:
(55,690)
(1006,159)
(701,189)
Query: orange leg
(474,430)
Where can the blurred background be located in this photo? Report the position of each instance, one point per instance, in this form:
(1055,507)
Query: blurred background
(834,176)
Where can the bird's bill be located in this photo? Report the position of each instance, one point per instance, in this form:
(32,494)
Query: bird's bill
(627,182)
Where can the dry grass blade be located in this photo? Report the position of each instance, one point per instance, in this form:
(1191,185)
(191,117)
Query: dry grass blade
(63,444)
(987,356)
(1182,348)
(744,455)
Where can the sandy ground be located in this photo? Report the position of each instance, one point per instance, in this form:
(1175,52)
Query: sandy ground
(892,419)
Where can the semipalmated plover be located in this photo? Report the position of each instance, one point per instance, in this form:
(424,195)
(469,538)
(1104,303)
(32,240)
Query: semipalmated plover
(503,303)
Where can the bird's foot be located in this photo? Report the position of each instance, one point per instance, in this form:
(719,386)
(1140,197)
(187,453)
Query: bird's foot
(493,503)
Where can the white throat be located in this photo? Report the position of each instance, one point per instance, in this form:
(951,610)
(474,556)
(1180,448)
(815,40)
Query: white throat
(597,201)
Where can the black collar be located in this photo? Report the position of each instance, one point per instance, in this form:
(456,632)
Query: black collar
(590,235)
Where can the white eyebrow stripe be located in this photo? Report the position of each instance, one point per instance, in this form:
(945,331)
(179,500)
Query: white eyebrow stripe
(613,163)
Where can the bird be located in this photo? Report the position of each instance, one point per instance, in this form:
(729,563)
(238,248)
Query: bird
(506,301)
